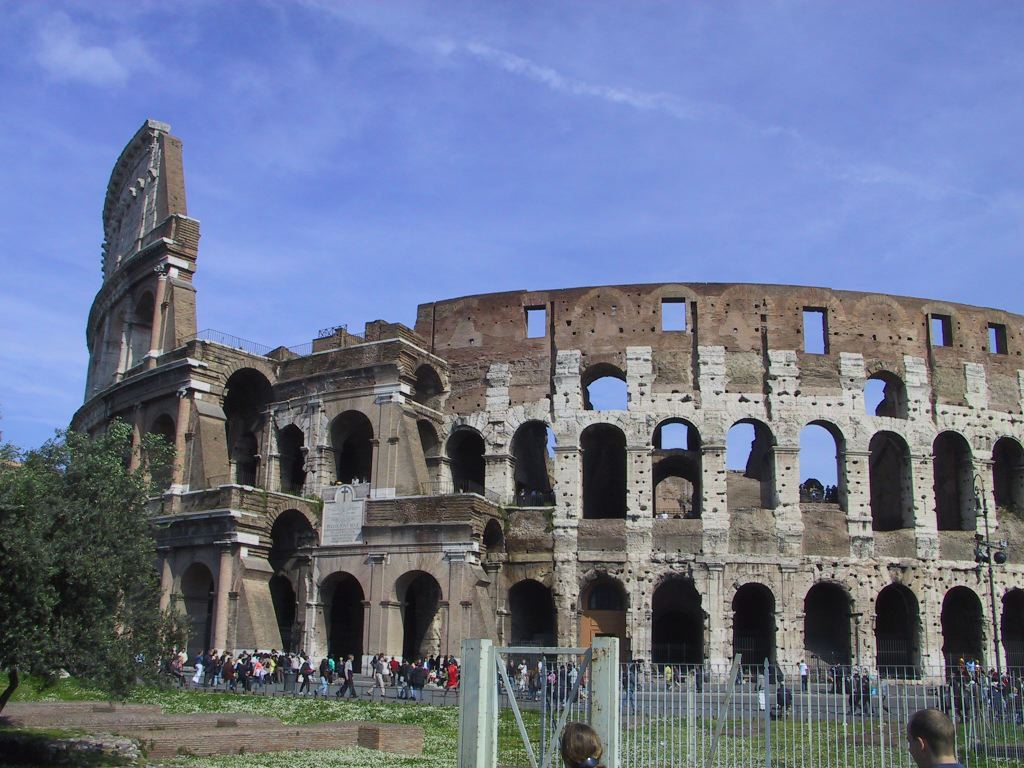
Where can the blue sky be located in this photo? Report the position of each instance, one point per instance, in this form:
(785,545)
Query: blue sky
(351,160)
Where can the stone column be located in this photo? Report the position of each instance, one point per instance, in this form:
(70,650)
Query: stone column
(499,475)
(225,580)
(713,503)
(986,497)
(138,432)
(166,578)
(926,532)
(719,645)
(789,634)
(156,335)
(855,486)
(182,438)
(789,525)
(374,621)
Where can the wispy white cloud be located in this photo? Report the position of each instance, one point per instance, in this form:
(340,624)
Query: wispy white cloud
(63,53)
(551,78)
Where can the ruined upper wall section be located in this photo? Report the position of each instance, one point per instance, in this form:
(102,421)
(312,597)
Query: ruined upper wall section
(146,186)
(745,320)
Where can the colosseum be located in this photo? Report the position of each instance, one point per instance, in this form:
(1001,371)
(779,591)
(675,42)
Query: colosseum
(402,489)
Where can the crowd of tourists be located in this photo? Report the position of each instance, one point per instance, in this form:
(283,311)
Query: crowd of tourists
(974,692)
(254,671)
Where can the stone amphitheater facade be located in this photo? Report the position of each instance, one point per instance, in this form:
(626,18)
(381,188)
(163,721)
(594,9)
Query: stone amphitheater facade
(406,488)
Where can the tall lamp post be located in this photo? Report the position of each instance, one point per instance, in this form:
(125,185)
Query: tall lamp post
(987,552)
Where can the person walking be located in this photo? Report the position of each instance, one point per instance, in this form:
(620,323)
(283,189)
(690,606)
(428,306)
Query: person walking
(348,676)
(804,675)
(418,675)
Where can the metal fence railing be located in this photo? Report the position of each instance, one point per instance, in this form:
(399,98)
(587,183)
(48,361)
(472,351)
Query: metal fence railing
(841,717)
(448,488)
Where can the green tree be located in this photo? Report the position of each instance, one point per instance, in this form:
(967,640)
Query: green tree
(78,582)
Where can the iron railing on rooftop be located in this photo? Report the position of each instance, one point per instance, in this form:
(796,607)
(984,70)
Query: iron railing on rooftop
(449,488)
(246,345)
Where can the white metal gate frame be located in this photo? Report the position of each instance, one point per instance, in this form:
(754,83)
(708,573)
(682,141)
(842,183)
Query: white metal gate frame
(482,667)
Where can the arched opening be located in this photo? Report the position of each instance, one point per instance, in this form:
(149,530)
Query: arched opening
(604,472)
(292,459)
(466,452)
(953,473)
(352,443)
(164,428)
(827,623)
(419,595)
(604,388)
(1008,474)
(494,538)
(753,625)
(290,532)
(885,395)
(141,337)
(342,596)
(821,445)
(962,620)
(750,461)
(197,595)
(428,388)
(1011,629)
(896,632)
(532,611)
(677,623)
(676,470)
(283,597)
(604,604)
(246,397)
(533,451)
(890,480)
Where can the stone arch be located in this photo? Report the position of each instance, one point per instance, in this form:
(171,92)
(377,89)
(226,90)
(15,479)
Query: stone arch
(419,597)
(532,614)
(604,472)
(247,394)
(753,624)
(822,478)
(604,602)
(604,388)
(197,593)
(290,531)
(1008,474)
(885,394)
(891,482)
(754,485)
(1011,628)
(351,435)
(531,449)
(282,596)
(465,449)
(677,622)
(953,477)
(428,389)
(962,619)
(342,597)
(140,337)
(897,632)
(827,623)
(676,468)
(493,539)
(291,450)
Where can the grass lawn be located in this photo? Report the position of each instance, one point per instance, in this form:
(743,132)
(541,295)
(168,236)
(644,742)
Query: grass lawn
(440,725)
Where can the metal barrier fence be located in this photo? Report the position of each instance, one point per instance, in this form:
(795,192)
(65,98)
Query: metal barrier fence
(725,717)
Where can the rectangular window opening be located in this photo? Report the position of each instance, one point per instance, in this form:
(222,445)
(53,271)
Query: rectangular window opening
(941,327)
(997,338)
(536,322)
(815,331)
(673,315)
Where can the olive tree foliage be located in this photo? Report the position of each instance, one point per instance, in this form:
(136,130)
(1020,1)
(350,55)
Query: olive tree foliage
(78,581)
